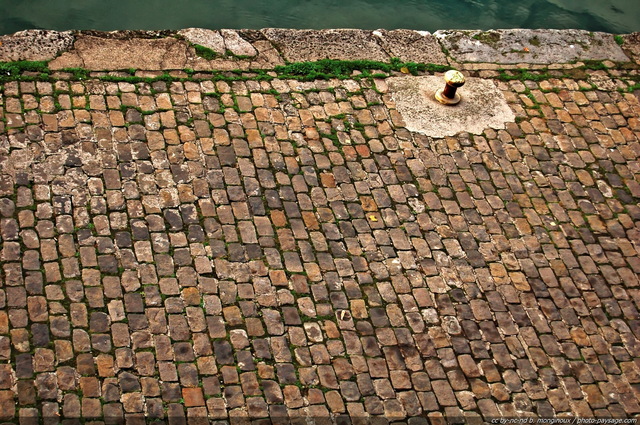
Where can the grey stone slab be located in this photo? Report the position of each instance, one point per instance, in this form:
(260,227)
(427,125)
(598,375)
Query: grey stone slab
(34,45)
(313,45)
(483,106)
(530,46)
(208,38)
(236,44)
(412,46)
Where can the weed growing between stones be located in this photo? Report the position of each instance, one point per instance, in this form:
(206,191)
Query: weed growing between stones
(633,87)
(524,75)
(205,52)
(303,71)
(14,69)
(331,68)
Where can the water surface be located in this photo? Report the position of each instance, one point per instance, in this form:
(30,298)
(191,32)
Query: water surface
(616,16)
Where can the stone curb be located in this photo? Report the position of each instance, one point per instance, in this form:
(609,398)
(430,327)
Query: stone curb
(264,49)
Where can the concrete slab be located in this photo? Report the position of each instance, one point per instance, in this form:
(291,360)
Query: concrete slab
(98,53)
(313,45)
(412,46)
(483,106)
(530,46)
(34,45)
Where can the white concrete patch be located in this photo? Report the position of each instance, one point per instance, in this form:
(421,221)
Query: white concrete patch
(483,106)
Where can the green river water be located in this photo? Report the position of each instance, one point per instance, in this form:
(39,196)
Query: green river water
(616,16)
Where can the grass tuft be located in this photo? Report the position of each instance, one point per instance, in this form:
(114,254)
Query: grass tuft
(331,68)
(205,52)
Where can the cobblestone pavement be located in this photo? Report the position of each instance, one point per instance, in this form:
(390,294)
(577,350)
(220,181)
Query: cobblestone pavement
(251,249)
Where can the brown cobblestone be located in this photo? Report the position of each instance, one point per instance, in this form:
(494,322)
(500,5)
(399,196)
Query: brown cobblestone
(229,260)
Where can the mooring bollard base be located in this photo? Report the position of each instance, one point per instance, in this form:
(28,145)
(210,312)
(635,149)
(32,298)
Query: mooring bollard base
(440,97)
(453,80)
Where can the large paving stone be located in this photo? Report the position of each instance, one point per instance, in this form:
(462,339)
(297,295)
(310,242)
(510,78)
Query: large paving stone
(204,37)
(530,46)
(34,45)
(236,44)
(313,45)
(411,46)
(101,53)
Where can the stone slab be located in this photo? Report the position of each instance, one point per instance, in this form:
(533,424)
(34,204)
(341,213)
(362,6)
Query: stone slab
(412,46)
(208,38)
(34,45)
(483,106)
(163,50)
(100,53)
(631,45)
(530,46)
(313,45)
(236,44)
(235,49)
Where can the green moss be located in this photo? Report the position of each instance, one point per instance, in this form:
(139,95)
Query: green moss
(489,37)
(593,64)
(618,39)
(324,69)
(632,88)
(523,75)
(23,71)
(78,73)
(231,54)
(534,41)
(16,68)
(330,68)
(305,71)
(590,88)
(205,52)
(334,139)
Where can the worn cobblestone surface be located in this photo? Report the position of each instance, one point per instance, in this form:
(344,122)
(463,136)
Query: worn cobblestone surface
(257,249)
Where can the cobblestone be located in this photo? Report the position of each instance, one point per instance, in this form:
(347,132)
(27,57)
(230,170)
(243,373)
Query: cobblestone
(250,249)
